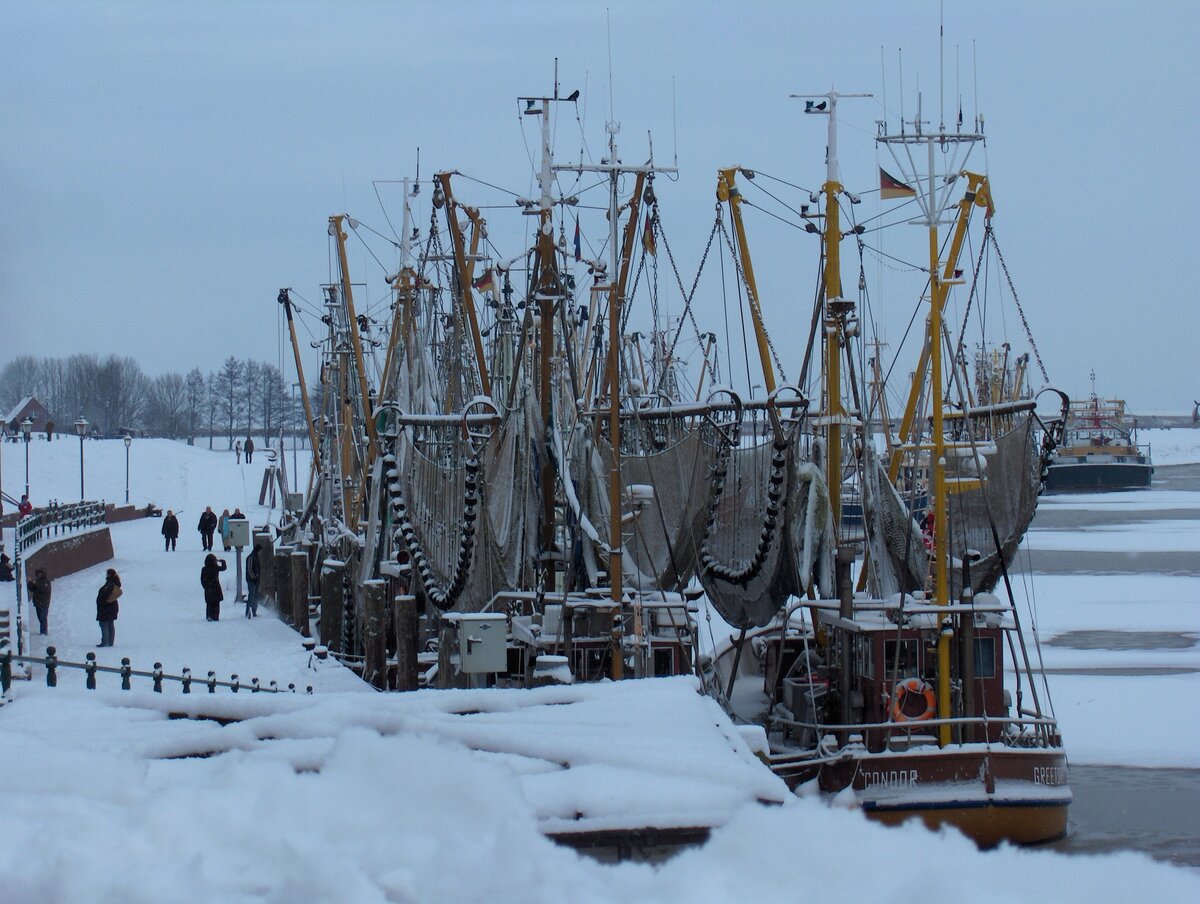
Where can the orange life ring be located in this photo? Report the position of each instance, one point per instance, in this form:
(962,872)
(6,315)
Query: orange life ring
(907,696)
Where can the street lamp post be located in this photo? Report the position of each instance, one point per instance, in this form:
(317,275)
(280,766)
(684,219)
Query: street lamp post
(81,428)
(26,429)
(128,442)
(3,425)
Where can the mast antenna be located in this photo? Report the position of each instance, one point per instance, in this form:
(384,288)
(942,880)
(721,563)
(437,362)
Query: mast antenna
(900,68)
(942,65)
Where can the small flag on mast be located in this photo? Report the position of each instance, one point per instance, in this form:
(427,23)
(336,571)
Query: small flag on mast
(891,187)
(484,283)
(648,239)
(578,250)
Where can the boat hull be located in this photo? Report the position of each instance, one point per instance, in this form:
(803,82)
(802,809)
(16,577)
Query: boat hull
(1088,476)
(1015,795)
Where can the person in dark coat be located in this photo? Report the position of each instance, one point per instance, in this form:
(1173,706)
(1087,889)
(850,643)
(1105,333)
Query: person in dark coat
(107,609)
(253,573)
(248,448)
(208,524)
(170,531)
(6,569)
(210,580)
(39,592)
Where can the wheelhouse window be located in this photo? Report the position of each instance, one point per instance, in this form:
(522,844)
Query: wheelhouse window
(900,659)
(985,657)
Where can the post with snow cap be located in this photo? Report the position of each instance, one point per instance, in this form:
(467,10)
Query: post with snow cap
(404,615)
(298,577)
(374,635)
(332,604)
(265,544)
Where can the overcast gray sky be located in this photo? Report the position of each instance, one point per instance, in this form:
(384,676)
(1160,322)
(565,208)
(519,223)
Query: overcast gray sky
(166,167)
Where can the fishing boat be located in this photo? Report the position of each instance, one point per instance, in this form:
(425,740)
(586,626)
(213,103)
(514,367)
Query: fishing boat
(1100,451)
(513,488)
(915,693)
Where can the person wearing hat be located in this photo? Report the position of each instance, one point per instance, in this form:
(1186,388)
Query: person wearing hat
(210,580)
(106,607)
(39,592)
(170,531)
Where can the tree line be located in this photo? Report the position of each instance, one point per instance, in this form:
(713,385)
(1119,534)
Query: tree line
(242,398)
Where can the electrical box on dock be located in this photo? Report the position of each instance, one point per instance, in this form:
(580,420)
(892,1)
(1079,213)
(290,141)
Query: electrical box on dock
(483,642)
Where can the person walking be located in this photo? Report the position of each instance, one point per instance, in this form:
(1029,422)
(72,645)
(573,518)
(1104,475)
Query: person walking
(248,445)
(107,608)
(223,528)
(210,580)
(237,451)
(253,573)
(208,524)
(39,592)
(6,568)
(170,531)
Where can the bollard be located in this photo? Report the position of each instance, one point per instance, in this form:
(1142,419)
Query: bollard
(51,667)
(233,679)
(274,687)
(212,681)
(266,559)
(90,668)
(126,672)
(291,687)
(187,680)
(158,677)
(254,685)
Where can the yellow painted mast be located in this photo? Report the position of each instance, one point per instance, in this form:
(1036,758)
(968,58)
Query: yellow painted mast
(728,193)
(286,300)
(978,194)
(465,268)
(837,310)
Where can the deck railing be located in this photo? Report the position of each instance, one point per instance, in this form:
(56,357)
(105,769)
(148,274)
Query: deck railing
(91,669)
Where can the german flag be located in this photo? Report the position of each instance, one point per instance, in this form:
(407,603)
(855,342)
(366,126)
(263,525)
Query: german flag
(891,187)
(485,283)
(648,243)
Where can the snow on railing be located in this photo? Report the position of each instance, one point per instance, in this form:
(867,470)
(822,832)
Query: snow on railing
(91,668)
(57,519)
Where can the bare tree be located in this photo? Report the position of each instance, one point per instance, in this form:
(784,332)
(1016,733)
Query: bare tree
(227,387)
(213,398)
(167,410)
(251,388)
(19,378)
(197,395)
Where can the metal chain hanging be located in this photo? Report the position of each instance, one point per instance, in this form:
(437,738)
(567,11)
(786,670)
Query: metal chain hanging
(1025,323)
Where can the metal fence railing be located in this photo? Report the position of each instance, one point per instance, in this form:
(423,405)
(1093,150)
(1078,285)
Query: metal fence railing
(56,520)
(91,669)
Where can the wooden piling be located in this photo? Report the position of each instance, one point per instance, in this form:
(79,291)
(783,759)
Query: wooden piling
(374,638)
(332,604)
(283,582)
(404,609)
(299,587)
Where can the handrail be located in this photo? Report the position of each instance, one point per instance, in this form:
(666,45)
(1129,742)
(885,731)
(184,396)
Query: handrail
(127,672)
(57,519)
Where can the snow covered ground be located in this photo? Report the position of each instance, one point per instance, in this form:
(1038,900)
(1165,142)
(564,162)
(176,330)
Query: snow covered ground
(348,795)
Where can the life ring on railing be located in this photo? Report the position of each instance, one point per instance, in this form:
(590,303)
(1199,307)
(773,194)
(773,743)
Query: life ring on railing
(913,700)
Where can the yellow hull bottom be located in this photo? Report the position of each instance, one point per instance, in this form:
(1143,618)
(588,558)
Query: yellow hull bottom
(986,824)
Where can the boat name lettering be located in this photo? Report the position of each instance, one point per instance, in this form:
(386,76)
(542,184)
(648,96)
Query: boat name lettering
(894,779)
(1050,775)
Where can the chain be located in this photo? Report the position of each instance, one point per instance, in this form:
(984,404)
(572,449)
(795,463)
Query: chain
(737,265)
(1024,322)
(687,296)
(962,334)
